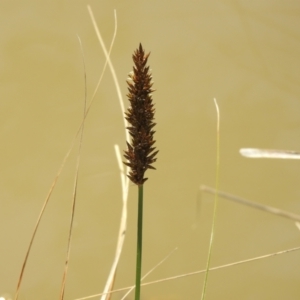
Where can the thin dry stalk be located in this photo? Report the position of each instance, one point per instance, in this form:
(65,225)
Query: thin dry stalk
(212,234)
(124,180)
(111,67)
(201,271)
(122,229)
(58,174)
(269,153)
(266,208)
(75,183)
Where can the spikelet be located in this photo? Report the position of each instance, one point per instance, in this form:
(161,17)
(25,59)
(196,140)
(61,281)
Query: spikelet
(140,152)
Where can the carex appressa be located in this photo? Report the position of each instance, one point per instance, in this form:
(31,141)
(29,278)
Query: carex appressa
(140,115)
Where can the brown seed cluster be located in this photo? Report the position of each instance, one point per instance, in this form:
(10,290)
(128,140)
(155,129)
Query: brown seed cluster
(140,115)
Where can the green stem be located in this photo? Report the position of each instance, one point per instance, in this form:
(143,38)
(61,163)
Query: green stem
(215,203)
(139,244)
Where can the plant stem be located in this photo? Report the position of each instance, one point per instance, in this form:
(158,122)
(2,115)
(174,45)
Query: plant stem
(139,243)
(215,203)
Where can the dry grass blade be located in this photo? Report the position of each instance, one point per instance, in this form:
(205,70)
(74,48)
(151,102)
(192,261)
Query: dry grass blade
(202,271)
(266,208)
(111,67)
(212,233)
(59,172)
(269,153)
(75,183)
(40,217)
(122,229)
(124,179)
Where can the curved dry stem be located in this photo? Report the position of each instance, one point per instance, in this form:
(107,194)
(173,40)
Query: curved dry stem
(212,234)
(122,229)
(40,217)
(58,174)
(124,179)
(111,67)
(75,183)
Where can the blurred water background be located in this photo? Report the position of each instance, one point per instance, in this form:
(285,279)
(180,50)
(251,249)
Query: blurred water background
(246,54)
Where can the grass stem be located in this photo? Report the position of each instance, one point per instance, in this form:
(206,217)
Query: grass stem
(139,243)
(215,202)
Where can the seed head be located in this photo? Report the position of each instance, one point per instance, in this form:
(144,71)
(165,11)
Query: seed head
(140,115)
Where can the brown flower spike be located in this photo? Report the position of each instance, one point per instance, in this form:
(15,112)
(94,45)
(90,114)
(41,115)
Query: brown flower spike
(140,115)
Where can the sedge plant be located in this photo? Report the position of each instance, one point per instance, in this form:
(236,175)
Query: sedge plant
(140,153)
